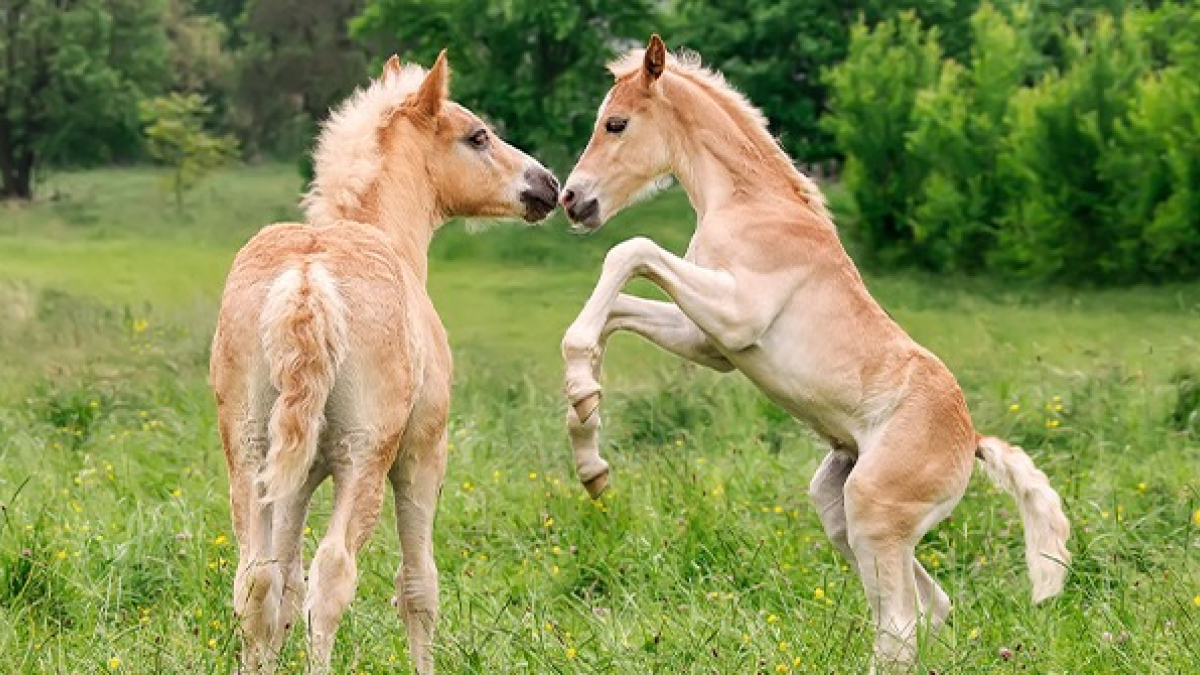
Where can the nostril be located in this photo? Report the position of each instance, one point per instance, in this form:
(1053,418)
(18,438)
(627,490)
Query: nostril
(568,197)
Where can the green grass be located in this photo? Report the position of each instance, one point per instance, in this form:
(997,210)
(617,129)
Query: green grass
(116,553)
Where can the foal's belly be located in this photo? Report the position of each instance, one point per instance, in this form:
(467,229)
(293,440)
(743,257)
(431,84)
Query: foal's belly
(820,397)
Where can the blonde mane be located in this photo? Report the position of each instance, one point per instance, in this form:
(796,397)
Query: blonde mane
(741,111)
(348,160)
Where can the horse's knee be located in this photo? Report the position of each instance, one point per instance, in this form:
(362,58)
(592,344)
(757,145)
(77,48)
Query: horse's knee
(255,584)
(417,589)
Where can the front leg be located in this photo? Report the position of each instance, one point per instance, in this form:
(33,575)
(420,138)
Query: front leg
(732,312)
(663,324)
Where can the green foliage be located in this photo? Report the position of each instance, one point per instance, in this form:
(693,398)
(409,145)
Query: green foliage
(1064,153)
(175,136)
(959,124)
(71,75)
(874,93)
(296,62)
(539,76)
(1154,163)
(1060,222)
(775,51)
(200,63)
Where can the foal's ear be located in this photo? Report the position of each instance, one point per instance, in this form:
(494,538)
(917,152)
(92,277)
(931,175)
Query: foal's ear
(390,69)
(655,60)
(434,88)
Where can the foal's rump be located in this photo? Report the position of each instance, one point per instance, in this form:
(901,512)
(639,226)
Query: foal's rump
(312,319)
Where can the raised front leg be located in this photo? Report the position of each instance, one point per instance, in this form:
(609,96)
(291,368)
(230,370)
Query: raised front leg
(663,324)
(733,313)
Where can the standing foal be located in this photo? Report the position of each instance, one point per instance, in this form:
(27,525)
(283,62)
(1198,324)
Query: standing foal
(330,360)
(766,288)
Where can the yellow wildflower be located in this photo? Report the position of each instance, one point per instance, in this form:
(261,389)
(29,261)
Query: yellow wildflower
(571,652)
(114,661)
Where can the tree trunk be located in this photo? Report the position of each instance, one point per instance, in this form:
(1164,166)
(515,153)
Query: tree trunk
(23,175)
(16,171)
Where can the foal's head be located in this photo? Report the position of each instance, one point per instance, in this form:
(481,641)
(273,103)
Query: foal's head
(629,154)
(402,141)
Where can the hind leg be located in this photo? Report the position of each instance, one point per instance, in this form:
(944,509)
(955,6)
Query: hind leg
(416,481)
(827,492)
(287,546)
(359,467)
(897,491)
(258,582)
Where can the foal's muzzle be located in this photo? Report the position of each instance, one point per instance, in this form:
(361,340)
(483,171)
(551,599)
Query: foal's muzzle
(540,195)
(581,209)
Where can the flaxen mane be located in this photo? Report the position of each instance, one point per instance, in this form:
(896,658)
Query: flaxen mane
(348,158)
(748,117)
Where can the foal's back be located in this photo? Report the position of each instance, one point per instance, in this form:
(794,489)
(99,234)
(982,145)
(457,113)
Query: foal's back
(383,302)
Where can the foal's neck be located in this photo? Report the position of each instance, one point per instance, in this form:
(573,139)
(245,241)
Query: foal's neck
(406,211)
(723,161)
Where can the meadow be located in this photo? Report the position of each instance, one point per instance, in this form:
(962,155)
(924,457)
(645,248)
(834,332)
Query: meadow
(117,556)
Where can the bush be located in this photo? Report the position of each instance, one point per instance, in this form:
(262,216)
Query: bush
(1059,222)
(1069,153)
(960,123)
(873,95)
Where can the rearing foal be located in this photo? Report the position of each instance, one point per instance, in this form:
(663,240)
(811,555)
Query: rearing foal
(330,360)
(766,288)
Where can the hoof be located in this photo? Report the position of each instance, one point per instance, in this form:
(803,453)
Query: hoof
(597,484)
(587,406)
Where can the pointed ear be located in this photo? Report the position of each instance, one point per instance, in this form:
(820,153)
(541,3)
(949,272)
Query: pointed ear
(434,88)
(390,69)
(655,61)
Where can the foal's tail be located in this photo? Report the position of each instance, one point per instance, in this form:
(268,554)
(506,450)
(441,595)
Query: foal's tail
(1046,527)
(304,336)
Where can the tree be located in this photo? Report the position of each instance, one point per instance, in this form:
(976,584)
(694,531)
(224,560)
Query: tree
(175,136)
(774,50)
(71,73)
(539,75)
(199,60)
(297,61)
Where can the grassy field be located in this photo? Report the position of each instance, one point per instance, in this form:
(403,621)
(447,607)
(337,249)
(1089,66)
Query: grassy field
(116,553)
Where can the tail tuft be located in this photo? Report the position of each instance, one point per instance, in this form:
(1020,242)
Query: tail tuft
(304,336)
(1046,526)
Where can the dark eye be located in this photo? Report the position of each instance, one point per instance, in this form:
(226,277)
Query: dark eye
(478,139)
(615,125)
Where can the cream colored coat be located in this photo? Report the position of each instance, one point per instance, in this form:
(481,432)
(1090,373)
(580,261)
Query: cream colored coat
(330,360)
(766,288)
